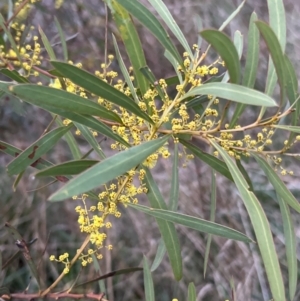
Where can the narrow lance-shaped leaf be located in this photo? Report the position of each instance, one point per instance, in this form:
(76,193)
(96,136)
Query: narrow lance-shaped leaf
(160,253)
(260,225)
(109,169)
(42,96)
(213,205)
(227,51)
(292,85)
(232,16)
(98,87)
(290,246)
(192,292)
(86,133)
(276,53)
(289,128)
(165,14)
(292,93)
(13,74)
(88,121)
(238,42)
(130,38)
(249,75)
(14,151)
(167,229)
(125,71)
(72,143)
(62,39)
(173,204)
(194,223)
(233,92)
(67,168)
(175,65)
(139,11)
(36,150)
(47,45)
(278,25)
(277,183)
(148,282)
(212,161)
(174,193)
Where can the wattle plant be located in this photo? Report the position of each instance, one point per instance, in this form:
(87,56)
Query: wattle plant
(148,119)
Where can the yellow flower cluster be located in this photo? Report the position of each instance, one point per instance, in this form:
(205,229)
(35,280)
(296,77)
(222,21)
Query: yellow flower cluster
(64,258)
(26,53)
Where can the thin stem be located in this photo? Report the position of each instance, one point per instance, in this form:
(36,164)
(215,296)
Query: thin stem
(75,258)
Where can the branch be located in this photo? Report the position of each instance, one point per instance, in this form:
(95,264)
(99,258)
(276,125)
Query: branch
(56,296)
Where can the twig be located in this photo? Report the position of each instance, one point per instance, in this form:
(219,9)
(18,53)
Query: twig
(56,296)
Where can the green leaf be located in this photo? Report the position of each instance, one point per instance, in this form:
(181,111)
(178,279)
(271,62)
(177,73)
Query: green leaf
(245,174)
(276,53)
(292,82)
(43,96)
(292,93)
(173,80)
(212,161)
(174,192)
(139,11)
(277,20)
(233,92)
(250,67)
(17,181)
(277,183)
(165,14)
(67,168)
(86,133)
(232,16)
(192,292)
(148,282)
(213,205)
(62,39)
(72,143)
(47,45)
(227,51)
(167,229)
(108,169)
(260,225)
(160,253)
(32,153)
(14,152)
(199,26)
(289,128)
(89,121)
(193,223)
(290,246)
(238,42)
(13,74)
(278,25)
(131,41)
(252,53)
(175,65)
(100,88)
(125,71)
